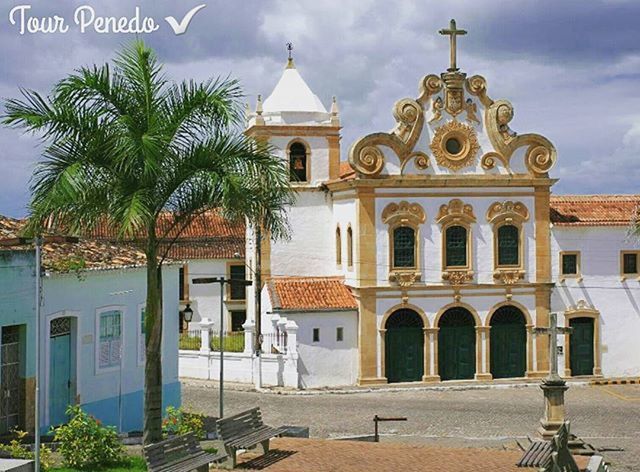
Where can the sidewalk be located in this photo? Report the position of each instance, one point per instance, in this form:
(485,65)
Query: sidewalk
(318,455)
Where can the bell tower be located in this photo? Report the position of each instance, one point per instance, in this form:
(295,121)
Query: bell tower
(296,123)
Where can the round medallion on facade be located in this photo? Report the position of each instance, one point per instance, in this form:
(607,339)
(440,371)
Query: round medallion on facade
(455,145)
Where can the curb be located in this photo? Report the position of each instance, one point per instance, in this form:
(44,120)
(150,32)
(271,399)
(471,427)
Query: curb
(356,390)
(619,381)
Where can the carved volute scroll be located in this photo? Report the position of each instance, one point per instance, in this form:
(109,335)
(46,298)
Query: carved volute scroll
(403,212)
(365,155)
(456,210)
(508,211)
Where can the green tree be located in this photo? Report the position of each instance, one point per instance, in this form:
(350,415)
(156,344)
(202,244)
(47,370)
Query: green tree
(125,147)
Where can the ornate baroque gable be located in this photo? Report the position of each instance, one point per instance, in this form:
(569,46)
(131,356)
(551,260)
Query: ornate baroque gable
(452,126)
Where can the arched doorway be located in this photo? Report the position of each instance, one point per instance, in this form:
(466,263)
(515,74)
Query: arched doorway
(581,346)
(508,343)
(456,344)
(404,347)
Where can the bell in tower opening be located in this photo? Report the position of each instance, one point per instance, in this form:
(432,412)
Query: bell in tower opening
(298,162)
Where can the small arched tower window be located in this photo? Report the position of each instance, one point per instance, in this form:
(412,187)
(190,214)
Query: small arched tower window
(338,246)
(298,162)
(404,247)
(349,247)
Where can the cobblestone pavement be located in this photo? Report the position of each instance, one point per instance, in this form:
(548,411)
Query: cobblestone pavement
(604,416)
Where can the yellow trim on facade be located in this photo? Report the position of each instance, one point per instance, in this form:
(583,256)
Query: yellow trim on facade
(578,274)
(583,311)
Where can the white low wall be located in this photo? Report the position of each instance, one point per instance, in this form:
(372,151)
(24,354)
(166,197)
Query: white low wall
(278,370)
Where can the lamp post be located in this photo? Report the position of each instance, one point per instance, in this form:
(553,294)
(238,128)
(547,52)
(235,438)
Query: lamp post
(221,281)
(187,316)
(38,241)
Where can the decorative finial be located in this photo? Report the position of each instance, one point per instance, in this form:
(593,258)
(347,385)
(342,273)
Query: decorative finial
(259,117)
(452,32)
(290,64)
(335,119)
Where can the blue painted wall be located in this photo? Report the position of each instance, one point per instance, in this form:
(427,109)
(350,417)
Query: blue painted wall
(114,396)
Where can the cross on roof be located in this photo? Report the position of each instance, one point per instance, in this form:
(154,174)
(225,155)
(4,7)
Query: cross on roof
(452,32)
(553,331)
(290,60)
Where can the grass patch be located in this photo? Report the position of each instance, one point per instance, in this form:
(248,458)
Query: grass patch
(135,464)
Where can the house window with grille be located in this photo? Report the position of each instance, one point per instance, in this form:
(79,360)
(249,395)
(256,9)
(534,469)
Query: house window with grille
(630,263)
(316,335)
(569,263)
(456,246)
(110,339)
(508,245)
(237,290)
(298,162)
(404,247)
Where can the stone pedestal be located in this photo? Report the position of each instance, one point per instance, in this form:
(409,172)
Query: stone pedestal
(554,412)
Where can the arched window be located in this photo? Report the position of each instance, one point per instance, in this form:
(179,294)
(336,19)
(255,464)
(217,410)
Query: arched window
(338,246)
(404,247)
(456,246)
(298,162)
(508,245)
(349,247)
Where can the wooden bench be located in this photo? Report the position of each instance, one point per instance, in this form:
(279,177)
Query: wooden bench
(179,454)
(243,431)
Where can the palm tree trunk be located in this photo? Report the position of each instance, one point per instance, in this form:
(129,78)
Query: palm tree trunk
(153,343)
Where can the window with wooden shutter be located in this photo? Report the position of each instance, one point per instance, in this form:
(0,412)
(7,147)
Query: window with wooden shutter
(404,247)
(456,246)
(110,339)
(508,245)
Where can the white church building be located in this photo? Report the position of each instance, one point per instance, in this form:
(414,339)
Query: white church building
(434,250)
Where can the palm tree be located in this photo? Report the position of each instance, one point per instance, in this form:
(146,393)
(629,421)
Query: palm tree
(125,146)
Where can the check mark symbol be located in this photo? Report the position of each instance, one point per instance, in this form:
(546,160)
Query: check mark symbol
(181,28)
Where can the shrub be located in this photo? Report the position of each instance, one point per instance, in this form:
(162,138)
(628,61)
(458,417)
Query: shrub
(85,444)
(17,450)
(178,422)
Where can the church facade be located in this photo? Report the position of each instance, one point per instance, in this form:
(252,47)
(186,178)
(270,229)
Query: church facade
(434,250)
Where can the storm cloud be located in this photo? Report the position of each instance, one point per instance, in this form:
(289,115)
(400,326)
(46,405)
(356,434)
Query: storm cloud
(570,68)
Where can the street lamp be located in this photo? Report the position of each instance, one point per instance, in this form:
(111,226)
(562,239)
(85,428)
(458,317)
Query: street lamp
(38,241)
(187,313)
(221,281)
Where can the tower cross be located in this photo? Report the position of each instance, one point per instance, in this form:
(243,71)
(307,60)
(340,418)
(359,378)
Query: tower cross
(452,32)
(290,60)
(553,331)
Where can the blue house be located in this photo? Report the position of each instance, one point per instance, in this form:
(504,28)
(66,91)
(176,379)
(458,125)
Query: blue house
(91,332)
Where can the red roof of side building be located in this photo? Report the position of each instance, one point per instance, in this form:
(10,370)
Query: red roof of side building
(594,210)
(310,294)
(207,236)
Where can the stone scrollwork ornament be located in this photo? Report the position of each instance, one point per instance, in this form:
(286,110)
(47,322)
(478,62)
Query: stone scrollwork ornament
(366,157)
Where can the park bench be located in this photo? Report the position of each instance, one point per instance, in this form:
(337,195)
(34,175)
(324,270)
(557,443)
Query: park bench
(179,454)
(550,456)
(243,431)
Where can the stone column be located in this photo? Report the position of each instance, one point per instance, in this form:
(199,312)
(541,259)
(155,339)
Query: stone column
(205,335)
(383,352)
(530,354)
(428,354)
(248,327)
(482,353)
(433,361)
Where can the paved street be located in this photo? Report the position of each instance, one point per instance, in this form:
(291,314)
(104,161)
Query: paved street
(603,416)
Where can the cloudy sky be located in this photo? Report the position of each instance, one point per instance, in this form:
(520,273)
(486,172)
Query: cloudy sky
(570,68)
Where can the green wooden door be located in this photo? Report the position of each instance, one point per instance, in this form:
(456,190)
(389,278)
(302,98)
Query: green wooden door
(456,345)
(404,354)
(581,346)
(60,383)
(404,347)
(508,343)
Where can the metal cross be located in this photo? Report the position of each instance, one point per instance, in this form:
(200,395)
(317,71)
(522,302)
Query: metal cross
(452,32)
(290,48)
(553,331)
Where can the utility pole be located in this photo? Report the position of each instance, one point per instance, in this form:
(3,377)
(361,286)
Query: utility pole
(258,301)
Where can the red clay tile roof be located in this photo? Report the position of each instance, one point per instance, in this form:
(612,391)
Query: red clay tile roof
(594,210)
(346,171)
(86,254)
(310,294)
(208,236)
